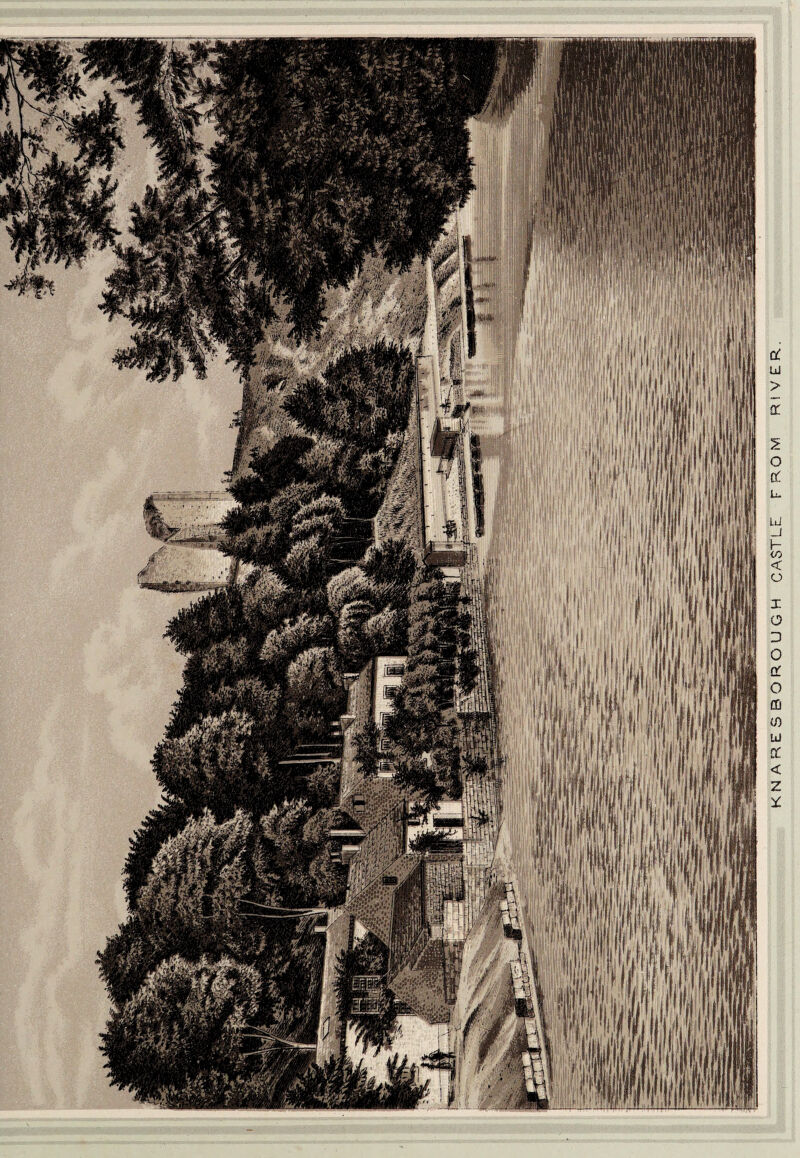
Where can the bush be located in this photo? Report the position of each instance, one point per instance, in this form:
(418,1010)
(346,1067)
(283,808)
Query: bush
(346,587)
(287,641)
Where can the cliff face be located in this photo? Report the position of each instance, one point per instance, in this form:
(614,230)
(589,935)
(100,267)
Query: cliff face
(377,303)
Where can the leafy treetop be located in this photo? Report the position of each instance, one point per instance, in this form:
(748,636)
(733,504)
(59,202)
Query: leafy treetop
(282,165)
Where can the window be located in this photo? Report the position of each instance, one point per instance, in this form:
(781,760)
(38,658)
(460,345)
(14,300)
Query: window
(385,744)
(364,1005)
(365,993)
(384,765)
(390,691)
(326,1027)
(359,804)
(384,718)
(394,669)
(364,982)
(389,879)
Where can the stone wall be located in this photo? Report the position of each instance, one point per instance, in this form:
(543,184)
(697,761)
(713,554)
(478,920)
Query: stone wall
(175,567)
(169,511)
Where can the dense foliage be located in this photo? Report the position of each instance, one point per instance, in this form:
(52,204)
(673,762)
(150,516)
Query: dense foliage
(341,1085)
(281,166)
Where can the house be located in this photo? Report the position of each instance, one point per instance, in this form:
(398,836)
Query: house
(411,901)
(365,798)
(413,904)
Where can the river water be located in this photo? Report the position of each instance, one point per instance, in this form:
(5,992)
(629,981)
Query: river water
(621,575)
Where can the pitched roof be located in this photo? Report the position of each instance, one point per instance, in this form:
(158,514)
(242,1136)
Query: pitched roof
(383,844)
(421,984)
(444,881)
(331,1027)
(408,918)
(371,799)
(359,705)
(374,904)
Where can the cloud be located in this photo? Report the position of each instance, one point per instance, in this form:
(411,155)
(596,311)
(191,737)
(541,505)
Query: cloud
(129,665)
(45,832)
(98,516)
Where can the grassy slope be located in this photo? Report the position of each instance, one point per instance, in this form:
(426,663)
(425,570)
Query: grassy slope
(378,303)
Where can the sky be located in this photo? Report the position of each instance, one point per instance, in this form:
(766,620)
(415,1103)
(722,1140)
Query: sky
(89,678)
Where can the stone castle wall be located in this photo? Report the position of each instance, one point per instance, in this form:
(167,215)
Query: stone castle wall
(171,511)
(188,523)
(176,567)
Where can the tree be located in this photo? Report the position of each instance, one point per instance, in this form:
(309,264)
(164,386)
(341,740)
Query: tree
(418,775)
(266,599)
(339,1085)
(322,786)
(387,632)
(284,643)
(287,853)
(272,469)
(347,586)
(329,878)
(362,397)
(314,691)
(184,1020)
(357,145)
(56,155)
(391,562)
(222,662)
(261,544)
(129,955)
(214,886)
(260,701)
(211,619)
(191,902)
(218,764)
(325,512)
(282,164)
(350,639)
(159,824)
(259,533)
(307,563)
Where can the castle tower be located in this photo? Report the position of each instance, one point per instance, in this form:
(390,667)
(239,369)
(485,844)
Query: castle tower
(188,523)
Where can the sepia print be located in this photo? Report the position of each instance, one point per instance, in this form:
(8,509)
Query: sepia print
(382,731)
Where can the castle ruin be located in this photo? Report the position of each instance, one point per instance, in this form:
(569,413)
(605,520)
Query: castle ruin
(189,525)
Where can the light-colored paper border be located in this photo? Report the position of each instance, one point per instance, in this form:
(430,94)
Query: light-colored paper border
(774,1124)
